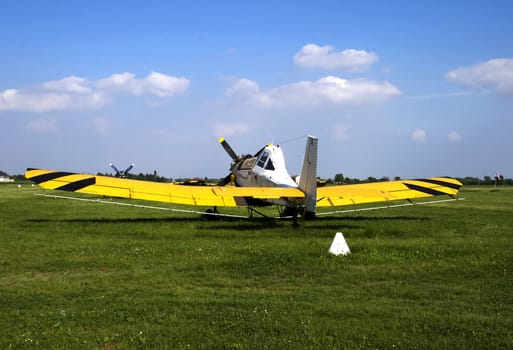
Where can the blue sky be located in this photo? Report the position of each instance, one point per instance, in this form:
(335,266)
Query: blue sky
(391,88)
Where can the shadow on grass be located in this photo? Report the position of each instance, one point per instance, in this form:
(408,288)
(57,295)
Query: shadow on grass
(228,222)
(218,223)
(352,222)
(112,220)
(373,218)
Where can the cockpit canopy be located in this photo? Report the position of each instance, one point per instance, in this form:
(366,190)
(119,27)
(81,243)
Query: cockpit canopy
(265,162)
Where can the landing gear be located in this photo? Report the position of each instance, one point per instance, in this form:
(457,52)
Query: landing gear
(252,210)
(308,215)
(211,214)
(291,213)
(288,212)
(294,212)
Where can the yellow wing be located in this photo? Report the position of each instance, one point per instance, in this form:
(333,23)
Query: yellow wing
(331,196)
(386,191)
(156,191)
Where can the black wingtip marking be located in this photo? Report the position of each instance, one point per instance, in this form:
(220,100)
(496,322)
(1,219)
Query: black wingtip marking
(426,190)
(441,183)
(78,185)
(49,176)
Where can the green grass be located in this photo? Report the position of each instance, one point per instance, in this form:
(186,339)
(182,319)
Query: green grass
(93,276)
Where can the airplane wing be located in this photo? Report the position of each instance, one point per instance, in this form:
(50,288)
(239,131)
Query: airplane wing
(330,196)
(156,191)
(333,196)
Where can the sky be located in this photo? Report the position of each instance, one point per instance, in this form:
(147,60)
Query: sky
(390,88)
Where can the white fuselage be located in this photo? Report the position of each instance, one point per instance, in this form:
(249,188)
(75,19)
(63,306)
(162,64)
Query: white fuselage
(265,169)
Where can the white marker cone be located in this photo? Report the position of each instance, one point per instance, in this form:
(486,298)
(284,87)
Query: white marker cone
(339,245)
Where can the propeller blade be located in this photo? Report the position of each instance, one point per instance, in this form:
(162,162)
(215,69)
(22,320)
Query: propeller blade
(228,179)
(114,167)
(228,149)
(129,168)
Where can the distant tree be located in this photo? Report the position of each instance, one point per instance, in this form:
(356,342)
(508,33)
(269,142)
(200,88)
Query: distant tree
(487,180)
(147,177)
(19,178)
(339,178)
(352,181)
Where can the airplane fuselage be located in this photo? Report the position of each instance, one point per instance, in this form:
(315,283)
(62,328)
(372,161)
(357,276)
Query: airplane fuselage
(267,169)
(264,169)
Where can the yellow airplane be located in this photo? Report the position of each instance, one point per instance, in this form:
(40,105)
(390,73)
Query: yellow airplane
(256,180)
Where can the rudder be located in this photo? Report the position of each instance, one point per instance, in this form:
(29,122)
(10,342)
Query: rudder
(308,177)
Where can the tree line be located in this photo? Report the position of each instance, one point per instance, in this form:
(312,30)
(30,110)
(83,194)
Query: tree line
(338,179)
(468,180)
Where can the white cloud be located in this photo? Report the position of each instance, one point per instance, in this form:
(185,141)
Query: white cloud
(163,85)
(454,136)
(419,135)
(230,129)
(243,87)
(495,74)
(40,100)
(156,84)
(124,82)
(79,93)
(327,90)
(326,57)
(71,84)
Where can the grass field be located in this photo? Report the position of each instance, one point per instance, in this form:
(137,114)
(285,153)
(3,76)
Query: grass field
(93,276)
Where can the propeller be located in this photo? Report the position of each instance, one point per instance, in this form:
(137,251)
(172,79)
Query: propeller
(230,178)
(121,173)
(227,180)
(228,149)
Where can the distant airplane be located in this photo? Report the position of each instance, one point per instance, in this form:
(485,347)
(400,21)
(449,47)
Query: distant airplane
(121,173)
(254,180)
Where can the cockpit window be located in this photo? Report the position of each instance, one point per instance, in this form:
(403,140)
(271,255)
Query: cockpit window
(263,158)
(269,165)
(248,164)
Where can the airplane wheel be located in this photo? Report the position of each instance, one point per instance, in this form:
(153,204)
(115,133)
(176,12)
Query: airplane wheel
(288,211)
(308,215)
(209,214)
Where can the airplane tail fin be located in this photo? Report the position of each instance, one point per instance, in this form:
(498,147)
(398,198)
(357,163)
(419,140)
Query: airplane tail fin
(308,177)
